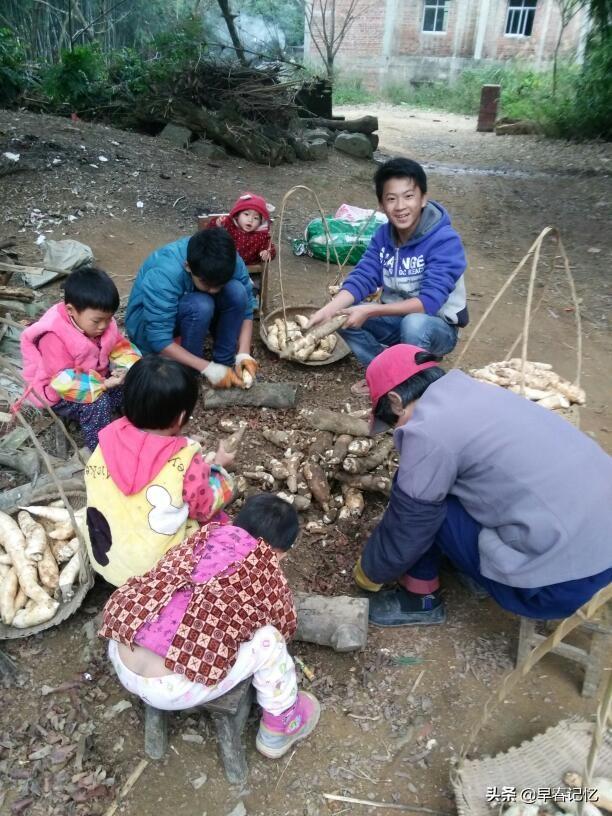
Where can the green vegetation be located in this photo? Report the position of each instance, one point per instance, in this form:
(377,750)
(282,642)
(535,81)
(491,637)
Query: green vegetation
(14,75)
(351,92)
(580,108)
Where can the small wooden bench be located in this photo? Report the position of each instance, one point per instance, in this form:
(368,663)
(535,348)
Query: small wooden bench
(595,658)
(229,714)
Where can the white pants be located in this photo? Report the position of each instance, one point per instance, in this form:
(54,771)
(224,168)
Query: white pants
(265,657)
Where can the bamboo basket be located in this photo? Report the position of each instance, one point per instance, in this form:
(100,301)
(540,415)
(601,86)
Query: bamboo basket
(535,764)
(571,745)
(285,312)
(78,499)
(571,414)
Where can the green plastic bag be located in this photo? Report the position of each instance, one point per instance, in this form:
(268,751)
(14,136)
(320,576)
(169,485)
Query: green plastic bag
(349,240)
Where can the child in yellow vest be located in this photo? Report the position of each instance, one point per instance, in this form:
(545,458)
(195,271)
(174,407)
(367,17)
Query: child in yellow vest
(148,486)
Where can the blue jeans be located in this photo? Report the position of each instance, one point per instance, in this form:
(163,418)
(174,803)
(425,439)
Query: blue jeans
(433,334)
(222,314)
(457,538)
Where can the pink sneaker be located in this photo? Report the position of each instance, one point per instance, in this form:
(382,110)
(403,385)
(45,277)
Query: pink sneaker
(277,733)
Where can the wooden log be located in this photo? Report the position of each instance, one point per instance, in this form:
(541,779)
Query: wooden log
(26,270)
(16,293)
(246,139)
(340,622)
(269,395)
(366,124)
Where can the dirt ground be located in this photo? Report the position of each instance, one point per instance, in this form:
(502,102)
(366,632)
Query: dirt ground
(395,716)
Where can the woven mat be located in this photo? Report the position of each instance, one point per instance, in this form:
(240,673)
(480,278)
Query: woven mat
(537,763)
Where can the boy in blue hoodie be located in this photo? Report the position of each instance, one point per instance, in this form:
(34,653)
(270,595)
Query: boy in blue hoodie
(418,260)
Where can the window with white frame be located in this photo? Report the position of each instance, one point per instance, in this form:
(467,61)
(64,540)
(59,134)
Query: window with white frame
(519,21)
(434,16)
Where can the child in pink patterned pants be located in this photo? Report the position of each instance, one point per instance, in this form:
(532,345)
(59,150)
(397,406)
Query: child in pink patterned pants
(223,616)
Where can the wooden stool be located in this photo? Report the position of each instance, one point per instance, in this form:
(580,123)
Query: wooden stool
(594,659)
(229,714)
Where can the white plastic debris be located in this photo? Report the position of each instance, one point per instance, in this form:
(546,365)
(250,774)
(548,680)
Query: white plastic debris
(102,159)
(11,156)
(40,240)
(140,204)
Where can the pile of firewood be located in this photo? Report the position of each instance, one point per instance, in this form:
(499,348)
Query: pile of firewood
(250,110)
(329,468)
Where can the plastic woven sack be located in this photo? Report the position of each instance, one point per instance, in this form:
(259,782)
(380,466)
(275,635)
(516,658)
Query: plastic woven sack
(349,240)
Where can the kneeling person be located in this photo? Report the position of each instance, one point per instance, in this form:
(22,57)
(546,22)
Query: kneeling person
(418,260)
(188,289)
(161,654)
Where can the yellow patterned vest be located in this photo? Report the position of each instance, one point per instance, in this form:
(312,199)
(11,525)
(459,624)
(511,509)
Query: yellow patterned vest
(129,534)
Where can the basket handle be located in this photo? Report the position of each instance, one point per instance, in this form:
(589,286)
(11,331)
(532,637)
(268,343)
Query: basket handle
(534,253)
(264,278)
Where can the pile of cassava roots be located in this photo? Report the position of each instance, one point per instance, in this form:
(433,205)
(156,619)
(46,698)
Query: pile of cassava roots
(40,563)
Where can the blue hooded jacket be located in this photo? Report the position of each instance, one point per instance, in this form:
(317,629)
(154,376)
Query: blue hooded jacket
(429,266)
(161,282)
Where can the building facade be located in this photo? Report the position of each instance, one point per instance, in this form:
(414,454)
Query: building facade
(433,40)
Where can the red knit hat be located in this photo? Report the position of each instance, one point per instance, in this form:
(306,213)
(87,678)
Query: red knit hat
(392,366)
(250,201)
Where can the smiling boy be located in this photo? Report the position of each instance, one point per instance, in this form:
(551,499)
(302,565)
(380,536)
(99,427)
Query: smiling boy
(418,260)
(185,290)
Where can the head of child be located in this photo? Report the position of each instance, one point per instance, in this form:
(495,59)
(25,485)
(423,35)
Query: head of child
(211,259)
(250,212)
(397,378)
(159,395)
(401,189)
(272,519)
(91,300)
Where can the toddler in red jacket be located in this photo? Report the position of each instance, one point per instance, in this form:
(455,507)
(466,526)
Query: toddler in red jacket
(248,223)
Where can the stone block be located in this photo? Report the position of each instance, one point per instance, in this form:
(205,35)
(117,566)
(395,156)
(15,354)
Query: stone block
(318,149)
(207,150)
(320,133)
(179,136)
(355,144)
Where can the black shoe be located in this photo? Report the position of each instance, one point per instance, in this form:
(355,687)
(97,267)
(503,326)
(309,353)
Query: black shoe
(472,586)
(398,607)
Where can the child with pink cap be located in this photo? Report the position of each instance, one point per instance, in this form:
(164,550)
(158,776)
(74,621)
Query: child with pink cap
(248,223)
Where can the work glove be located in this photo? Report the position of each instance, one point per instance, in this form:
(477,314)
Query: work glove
(222,376)
(246,368)
(362,580)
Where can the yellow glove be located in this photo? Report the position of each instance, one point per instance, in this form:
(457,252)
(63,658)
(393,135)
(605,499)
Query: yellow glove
(362,580)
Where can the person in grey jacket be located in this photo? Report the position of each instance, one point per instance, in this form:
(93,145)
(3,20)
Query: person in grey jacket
(517,498)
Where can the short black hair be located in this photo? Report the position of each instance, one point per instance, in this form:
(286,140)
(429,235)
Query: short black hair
(157,390)
(91,288)
(411,389)
(399,168)
(211,255)
(268,517)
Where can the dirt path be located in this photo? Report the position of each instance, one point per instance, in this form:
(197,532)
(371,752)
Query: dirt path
(413,693)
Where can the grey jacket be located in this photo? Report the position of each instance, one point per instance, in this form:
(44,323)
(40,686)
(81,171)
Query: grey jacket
(540,488)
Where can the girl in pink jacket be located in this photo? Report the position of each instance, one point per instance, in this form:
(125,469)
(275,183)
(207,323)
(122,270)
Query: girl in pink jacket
(75,357)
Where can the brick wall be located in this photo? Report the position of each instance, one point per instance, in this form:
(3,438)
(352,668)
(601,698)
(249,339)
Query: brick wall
(414,54)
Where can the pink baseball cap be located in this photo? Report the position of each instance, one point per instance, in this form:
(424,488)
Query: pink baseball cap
(393,366)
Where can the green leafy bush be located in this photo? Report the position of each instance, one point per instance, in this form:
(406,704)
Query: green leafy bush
(14,76)
(79,80)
